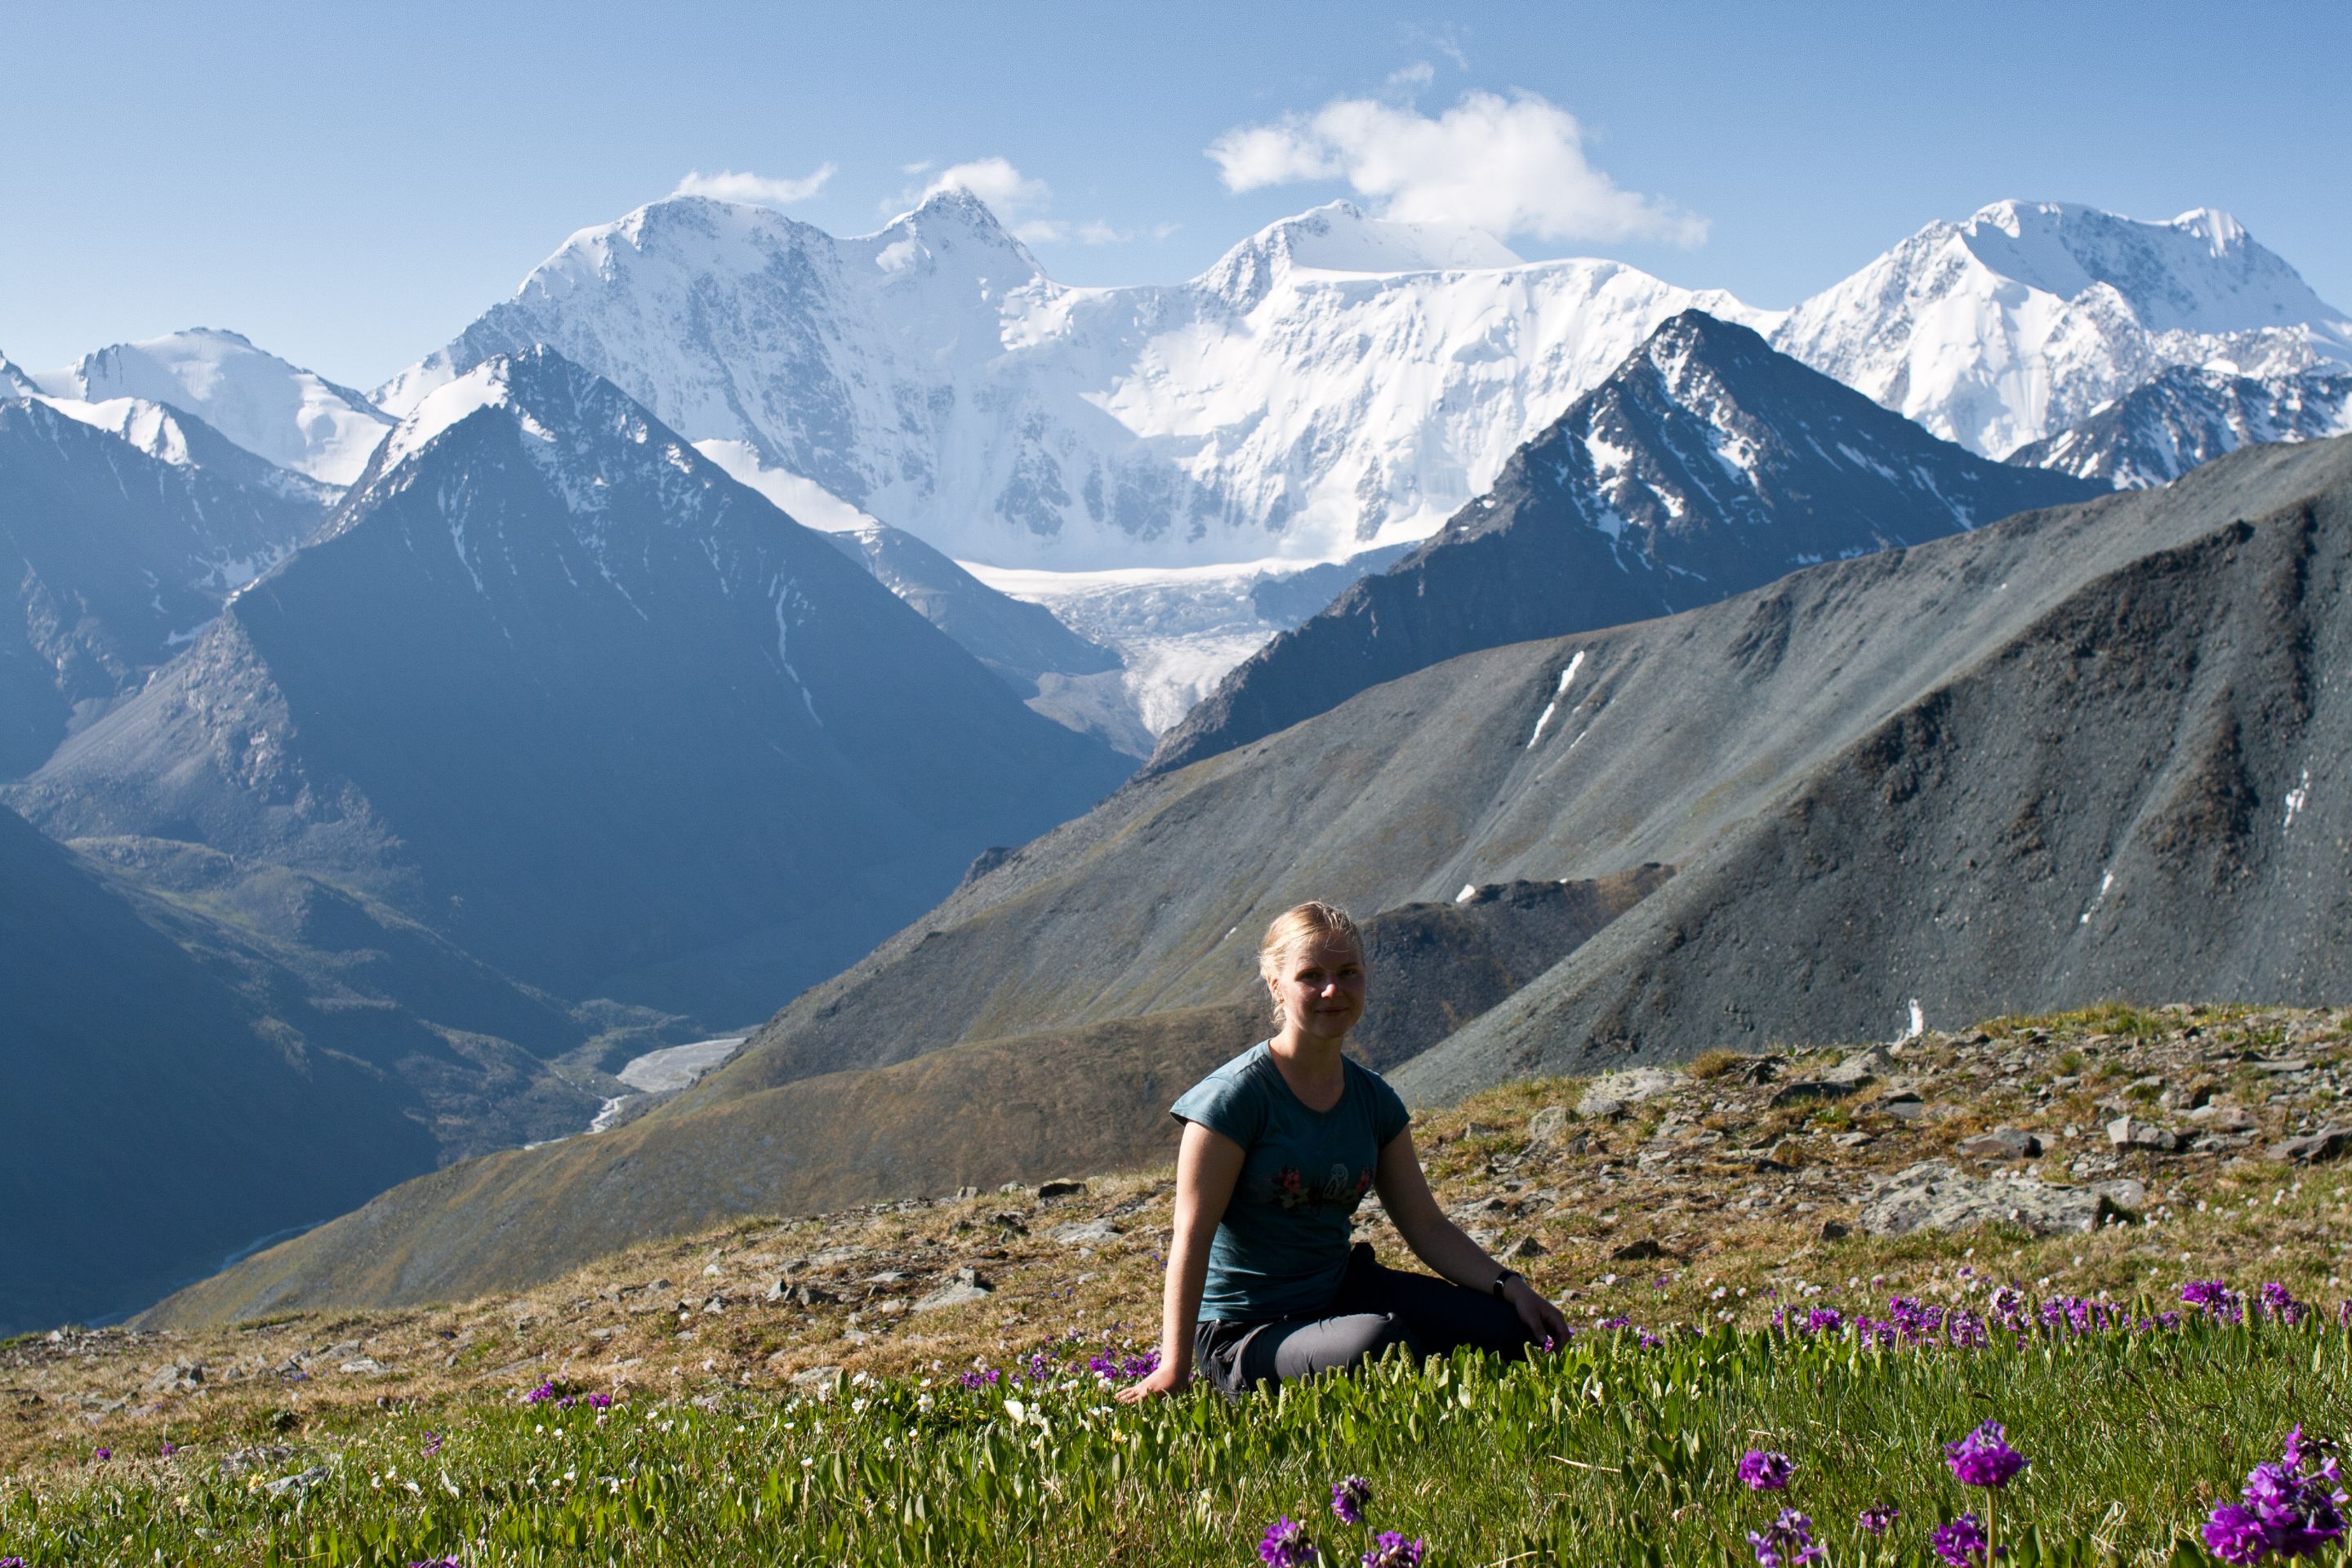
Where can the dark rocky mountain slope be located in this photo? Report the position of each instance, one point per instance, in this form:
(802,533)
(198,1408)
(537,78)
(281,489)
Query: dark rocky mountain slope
(552,684)
(2166,425)
(181,1085)
(116,557)
(1705,466)
(2137,792)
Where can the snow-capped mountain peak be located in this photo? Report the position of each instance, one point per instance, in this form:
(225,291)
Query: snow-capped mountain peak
(275,410)
(2025,317)
(1340,237)
(15,381)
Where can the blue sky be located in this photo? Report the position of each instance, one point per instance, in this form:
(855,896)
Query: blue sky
(349,186)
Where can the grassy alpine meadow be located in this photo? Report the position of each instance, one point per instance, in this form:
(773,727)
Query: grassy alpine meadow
(2134,1422)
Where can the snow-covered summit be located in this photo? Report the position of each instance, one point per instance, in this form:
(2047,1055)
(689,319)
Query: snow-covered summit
(1337,381)
(2023,319)
(15,381)
(278,411)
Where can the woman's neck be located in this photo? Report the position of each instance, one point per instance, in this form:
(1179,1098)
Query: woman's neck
(1306,1061)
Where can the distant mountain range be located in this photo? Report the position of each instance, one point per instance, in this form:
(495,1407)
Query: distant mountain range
(117,558)
(2162,428)
(1333,382)
(2086,752)
(1705,466)
(552,684)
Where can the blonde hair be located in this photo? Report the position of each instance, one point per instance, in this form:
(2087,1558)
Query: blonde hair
(1311,921)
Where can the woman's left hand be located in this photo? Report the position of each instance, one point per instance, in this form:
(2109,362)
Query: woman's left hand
(1543,1321)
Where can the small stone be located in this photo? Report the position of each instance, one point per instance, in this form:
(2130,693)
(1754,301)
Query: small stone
(887,1277)
(1857,1139)
(967,1192)
(817,1382)
(1864,1066)
(1011,1187)
(1911,1109)
(2001,1143)
(1527,1247)
(1061,1189)
(298,1483)
(1093,1233)
(1644,1250)
(364,1366)
(2129,1132)
(1547,1125)
(2225,1118)
(2330,1144)
(1835,1231)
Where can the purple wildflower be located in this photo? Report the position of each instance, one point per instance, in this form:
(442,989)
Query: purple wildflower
(168,1448)
(2234,1535)
(432,1444)
(1786,1543)
(438,1563)
(599,1402)
(1877,1519)
(104,1455)
(1391,1549)
(1962,1542)
(1984,1458)
(1351,1498)
(543,1394)
(1765,1471)
(1286,1546)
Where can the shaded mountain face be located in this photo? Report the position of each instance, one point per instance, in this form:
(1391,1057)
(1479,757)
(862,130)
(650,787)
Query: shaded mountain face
(2021,320)
(282,413)
(118,557)
(161,1115)
(2161,430)
(1705,465)
(1334,382)
(2139,792)
(552,684)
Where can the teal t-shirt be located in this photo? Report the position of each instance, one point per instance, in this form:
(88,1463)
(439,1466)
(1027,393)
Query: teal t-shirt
(1282,1244)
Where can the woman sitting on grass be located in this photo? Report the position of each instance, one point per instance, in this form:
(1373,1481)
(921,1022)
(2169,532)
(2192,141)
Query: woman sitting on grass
(1280,1144)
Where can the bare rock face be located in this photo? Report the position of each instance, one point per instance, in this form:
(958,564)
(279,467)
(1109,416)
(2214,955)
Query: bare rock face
(2001,1143)
(1933,1196)
(2127,1132)
(2330,1145)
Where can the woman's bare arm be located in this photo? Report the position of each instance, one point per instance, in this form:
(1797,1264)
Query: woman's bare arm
(1207,1165)
(1444,1246)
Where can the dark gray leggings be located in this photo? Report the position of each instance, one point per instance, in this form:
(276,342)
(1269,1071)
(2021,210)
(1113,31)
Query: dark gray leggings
(1375,1307)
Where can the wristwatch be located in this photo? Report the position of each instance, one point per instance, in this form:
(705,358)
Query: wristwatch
(1505,1277)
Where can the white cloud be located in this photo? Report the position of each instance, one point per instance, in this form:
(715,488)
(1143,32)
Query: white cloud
(1041,231)
(1009,193)
(1511,165)
(1419,74)
(758,189)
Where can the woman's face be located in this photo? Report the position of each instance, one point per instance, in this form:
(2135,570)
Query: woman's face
(1320,987)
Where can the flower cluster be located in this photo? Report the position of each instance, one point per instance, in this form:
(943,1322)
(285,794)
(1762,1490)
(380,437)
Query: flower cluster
(1960,1543)
(1288,1545)
(1764,1471)
(2292,1508)
(1877,1519)
(1786,1543)
(1984,1458)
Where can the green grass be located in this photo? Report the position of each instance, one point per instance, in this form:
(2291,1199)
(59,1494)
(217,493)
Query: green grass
(1608,1454)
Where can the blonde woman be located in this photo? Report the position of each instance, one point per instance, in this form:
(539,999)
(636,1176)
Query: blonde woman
(1279,1146)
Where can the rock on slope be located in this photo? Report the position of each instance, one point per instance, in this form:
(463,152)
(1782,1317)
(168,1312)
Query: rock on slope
(119,555)
(1332,382)
(1705,464)
(2161,430)
(2135,789)
(552,684)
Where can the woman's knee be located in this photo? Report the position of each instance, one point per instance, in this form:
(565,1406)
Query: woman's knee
(1338,1344)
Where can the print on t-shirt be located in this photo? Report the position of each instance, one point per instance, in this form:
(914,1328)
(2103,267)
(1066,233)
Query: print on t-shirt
(1292,1190)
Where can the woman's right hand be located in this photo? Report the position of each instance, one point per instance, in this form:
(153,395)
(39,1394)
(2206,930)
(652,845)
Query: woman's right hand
(1165,1379)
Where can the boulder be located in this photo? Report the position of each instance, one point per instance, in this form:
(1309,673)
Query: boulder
(1547,1125)
(1093,1233)
(1864,1066)
(2329,1144)
(1062,1189)
(1935,1195)
(1608,1096)
(966,1286)
(2130,1132)
(2001,1143)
